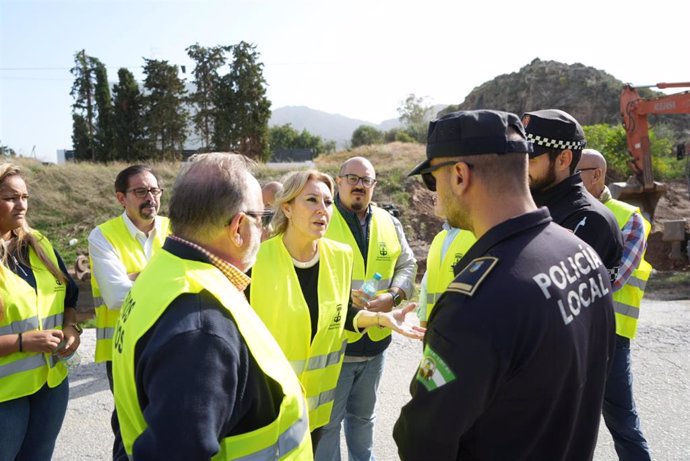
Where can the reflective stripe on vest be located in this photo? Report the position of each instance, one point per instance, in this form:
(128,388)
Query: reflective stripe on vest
(319,361)
(287,435)
(130,252)
(384,250)
(28,309)
(440,270)
(284,311)
(627,300)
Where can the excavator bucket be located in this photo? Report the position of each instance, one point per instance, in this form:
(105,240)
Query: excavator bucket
(634,193)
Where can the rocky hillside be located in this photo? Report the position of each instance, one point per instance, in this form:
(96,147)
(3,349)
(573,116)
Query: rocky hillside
(590,95)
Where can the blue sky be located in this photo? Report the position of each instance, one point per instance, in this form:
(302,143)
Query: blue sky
(357,58)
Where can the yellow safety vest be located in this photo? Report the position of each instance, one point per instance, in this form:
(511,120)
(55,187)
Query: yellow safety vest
(26,309)
(287,437)
(439,273)
(627,300)
(132,255)
(275,295)
(384,250)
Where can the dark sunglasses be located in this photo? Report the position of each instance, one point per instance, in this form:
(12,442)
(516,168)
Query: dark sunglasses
(428,178)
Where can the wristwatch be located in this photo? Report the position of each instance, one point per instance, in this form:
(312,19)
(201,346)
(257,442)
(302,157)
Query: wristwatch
(397,299)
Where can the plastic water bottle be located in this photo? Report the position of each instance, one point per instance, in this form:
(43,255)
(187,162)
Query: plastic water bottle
(370,287)
(71,361)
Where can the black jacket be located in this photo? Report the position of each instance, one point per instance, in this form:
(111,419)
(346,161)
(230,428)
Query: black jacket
(571,206)
(516,352)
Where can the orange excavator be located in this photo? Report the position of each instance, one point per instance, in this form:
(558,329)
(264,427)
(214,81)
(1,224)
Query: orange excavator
(641,189)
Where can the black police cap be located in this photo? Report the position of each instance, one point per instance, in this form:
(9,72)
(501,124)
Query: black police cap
(473,132)
(553,129)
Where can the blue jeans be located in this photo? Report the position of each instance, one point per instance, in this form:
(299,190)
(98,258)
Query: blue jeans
(620,414)
(355,400)
(30,425)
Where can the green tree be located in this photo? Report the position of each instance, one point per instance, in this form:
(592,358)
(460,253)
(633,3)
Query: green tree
(283,137)
(7,151)
(413,116)
(286,137)
(242,109)
(104,149)
(129,137)
(366,135)
(80,137)
(208,60)
(84,107)
(165,114)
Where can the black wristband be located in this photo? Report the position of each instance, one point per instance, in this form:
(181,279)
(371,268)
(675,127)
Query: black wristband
(21,346)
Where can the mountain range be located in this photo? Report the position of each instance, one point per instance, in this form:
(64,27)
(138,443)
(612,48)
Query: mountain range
(330,127)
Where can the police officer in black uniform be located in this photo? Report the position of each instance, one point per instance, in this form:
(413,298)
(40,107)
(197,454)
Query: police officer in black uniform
(558,142)
(517,348)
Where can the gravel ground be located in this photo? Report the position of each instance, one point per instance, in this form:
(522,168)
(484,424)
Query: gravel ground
(661,364)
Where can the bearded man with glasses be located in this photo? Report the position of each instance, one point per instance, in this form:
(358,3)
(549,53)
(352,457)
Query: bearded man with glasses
(379,245)
(119,249)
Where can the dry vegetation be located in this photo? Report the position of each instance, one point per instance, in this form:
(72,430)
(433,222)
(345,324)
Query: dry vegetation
(68,200)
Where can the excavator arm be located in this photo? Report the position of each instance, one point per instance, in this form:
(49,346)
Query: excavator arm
(635,110)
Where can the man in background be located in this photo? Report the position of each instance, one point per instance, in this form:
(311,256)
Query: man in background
(620,412)
(119,249)
(558,141)
(379,245)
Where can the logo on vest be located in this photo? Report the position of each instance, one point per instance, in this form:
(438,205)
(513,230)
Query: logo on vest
(125,311)
(383,252)
(458,257)
(335,323)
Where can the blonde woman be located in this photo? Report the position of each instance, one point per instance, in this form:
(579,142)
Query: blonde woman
(301,289)
(37,327)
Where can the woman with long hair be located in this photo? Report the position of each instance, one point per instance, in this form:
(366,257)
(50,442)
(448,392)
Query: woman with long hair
(38,328)
(301,289)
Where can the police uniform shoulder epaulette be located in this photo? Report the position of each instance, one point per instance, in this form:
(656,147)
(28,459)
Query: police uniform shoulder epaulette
(473,275)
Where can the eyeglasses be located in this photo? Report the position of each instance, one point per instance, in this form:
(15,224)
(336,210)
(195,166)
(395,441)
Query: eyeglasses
(353,180)
(264,216)
(142,192)
(430,180)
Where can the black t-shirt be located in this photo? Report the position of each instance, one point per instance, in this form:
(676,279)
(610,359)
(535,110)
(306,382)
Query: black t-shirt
(516,352)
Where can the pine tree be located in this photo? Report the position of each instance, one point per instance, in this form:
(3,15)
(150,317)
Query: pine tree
(128,125)
(208,60)
(104,142)
(165,114)
(242,109)
(84,107)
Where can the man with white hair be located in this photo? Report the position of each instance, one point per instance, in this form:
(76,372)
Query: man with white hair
(196,373)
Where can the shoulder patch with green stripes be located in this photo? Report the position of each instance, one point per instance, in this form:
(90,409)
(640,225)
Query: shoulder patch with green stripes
(473,275)
(433,372)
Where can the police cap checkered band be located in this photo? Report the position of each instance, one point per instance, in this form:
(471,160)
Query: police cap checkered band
(553,129)
(474,132)
(555,143)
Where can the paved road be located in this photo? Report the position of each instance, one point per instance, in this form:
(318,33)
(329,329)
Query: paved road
(661,363)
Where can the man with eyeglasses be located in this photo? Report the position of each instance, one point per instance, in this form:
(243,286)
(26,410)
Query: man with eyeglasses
(517,348)
(380,246)
(119,249)
(198,376)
